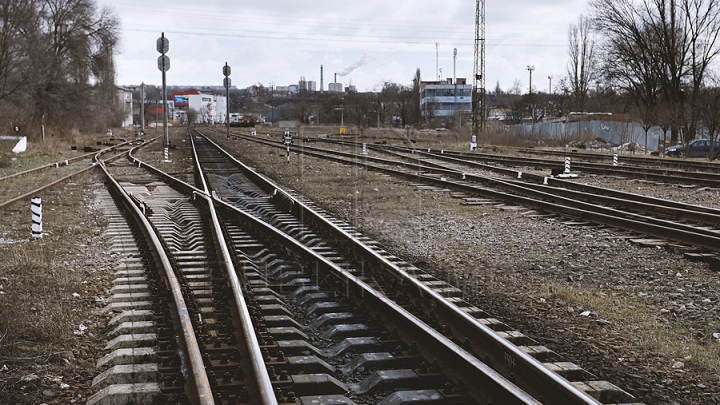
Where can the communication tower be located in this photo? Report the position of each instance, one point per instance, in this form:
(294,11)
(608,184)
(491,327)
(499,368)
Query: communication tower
(479,108)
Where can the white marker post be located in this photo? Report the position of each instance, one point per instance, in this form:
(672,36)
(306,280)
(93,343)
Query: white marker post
(567,174)
(364,149)
(615,159)
(36,208)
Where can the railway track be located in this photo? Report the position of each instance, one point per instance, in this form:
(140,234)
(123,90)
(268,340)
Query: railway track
(285,304)
(52,174)
(694,227)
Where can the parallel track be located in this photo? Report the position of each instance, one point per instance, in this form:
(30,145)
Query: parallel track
(280,303)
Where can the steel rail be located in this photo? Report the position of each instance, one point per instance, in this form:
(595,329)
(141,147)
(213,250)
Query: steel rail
(200,385)
(606,216)
(677,176)
(265,394)
(450,354)
(479,377)
(528,372)
(589,193)
(63,179)
(674,163)
(45,166)
(617,199)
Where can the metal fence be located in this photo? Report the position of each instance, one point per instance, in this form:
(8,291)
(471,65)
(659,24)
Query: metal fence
(614,132)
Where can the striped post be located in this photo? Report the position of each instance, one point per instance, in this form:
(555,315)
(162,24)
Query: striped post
(615,159)
(167,153)
(364,149)
(36,208)
(567,165)
(545,181)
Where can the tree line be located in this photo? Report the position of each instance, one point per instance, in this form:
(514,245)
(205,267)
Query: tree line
(56,65)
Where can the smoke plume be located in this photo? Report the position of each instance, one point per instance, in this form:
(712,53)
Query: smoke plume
(364,60)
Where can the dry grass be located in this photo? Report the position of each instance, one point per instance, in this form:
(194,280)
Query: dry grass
(38,279)
(632,315)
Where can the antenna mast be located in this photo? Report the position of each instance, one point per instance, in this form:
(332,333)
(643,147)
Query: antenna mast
(479,73)
(437,58)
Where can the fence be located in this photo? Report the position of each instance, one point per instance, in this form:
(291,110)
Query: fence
(614,132)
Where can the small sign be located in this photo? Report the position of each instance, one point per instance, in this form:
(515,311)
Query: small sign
(342,130)
(162,45)
(227,82)
(288,139)
(226,70)
(163,63)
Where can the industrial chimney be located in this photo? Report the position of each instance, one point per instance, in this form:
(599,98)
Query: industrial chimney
(321,78)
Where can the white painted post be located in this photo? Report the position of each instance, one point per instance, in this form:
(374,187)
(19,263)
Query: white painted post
(545,181)
(36,208)
(615,159)
(519,175)
(364,149)
(567,165)
(167,153)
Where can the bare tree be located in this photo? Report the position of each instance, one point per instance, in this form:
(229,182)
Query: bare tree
(658,51)
(581,68)
(18,19)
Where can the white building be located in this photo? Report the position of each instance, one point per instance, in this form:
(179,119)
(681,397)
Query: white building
(445,98)
(210,108)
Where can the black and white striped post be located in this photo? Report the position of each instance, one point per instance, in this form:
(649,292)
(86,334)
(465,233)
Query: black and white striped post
(615,159)
(36,208)
(567,165)
(364,149)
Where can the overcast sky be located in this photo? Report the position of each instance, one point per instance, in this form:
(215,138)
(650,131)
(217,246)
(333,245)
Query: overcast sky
(373,41)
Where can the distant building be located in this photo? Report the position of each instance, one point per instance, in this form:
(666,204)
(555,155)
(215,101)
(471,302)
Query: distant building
(445,98)
(335,87)
(312,86)
(210,108)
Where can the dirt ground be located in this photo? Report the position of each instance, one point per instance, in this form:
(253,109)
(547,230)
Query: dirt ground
(652,321)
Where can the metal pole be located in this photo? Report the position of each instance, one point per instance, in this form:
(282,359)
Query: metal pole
(226,72)
(164,107)
(142,108)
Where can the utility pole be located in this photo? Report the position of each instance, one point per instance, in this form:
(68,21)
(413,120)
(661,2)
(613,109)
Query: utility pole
(455,82)
(479,69)
(437,59)
(272,106)
(550,84)
(142,108)
(530,69)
